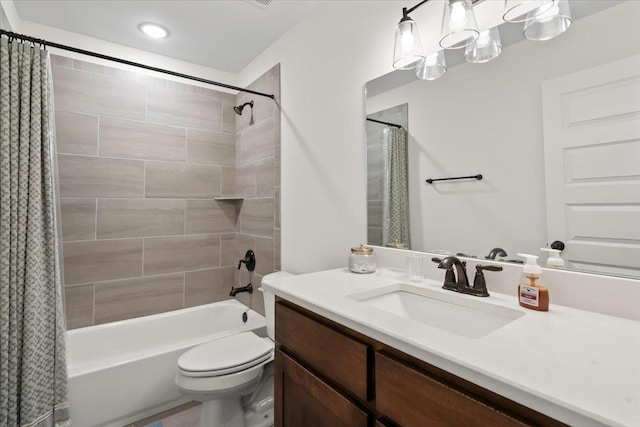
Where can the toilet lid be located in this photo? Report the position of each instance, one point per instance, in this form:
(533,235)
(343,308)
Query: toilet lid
(232,351)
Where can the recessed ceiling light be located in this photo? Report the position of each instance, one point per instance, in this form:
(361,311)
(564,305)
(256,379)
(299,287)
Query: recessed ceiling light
(153,30)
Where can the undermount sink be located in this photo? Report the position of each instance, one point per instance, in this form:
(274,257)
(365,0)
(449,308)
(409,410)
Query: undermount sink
(461,315)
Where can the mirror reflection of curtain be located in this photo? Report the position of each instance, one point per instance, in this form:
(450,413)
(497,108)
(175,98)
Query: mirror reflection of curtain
(395,207)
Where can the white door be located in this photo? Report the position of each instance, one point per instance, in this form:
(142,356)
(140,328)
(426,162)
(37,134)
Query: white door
(592,166)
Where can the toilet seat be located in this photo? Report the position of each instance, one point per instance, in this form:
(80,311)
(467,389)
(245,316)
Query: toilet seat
(226,355)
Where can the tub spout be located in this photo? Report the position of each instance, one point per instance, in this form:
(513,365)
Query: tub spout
(234,291)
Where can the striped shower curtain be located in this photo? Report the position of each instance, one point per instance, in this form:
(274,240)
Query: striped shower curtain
(33,376)
(395,206)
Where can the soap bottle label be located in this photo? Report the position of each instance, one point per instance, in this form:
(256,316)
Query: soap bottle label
(529,295)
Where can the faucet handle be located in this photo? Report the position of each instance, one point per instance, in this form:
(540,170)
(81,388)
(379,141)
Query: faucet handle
(479,283)
(450,275)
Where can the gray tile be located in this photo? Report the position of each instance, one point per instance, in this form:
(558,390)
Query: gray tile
(256,142)
(76,133)
(79,91)
(93,68)
(265,178)
(243,244)
(78,219)
(257,217)
(139,140)
(125,299)
(214,148)
(276,163)
(82,176)
(205,286)
(171,254)
(186,418)
(62,61)
(179,108)
(179,180)
(229,181)
(184,87)
(228,115)
(139,78)
(257,297)
(264,256)
(228,250)
(246,180)
(139,218)
(210,216)
(78,305)
(96,261)
(374,213)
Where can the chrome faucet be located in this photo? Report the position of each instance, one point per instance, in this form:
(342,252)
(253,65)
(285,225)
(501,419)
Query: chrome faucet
(459,282)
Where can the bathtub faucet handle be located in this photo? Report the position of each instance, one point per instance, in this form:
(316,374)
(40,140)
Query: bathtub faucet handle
(249,260)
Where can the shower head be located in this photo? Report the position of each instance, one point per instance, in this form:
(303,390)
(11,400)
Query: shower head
(239,109)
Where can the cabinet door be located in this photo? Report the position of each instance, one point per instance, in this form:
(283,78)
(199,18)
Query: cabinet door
(303,399)
(412,398)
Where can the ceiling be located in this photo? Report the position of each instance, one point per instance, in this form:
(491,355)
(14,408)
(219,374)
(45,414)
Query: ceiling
(222,34)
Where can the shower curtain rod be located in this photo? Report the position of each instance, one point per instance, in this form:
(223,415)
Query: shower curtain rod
(384,123)
(45,43)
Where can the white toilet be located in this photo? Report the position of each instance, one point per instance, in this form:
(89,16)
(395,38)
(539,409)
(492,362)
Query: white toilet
(233,375)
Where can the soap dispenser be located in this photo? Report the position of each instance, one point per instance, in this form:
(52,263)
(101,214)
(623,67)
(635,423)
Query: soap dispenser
(554,259)
(532,294)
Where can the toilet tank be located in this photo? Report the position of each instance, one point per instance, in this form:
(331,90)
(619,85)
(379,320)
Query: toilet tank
(270,302)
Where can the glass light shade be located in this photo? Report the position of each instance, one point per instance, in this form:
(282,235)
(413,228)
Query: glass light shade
(522,10)
(434,66)
(549,24)
(459,26)
(487,47)
(408,53)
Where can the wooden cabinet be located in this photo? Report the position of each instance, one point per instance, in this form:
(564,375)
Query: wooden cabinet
(329,375)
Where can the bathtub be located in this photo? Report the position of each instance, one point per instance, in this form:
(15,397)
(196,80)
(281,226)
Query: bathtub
(124,371)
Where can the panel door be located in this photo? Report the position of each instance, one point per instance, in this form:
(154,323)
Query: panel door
(592,166)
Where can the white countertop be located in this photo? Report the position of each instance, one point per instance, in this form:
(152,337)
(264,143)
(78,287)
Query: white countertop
(579,367)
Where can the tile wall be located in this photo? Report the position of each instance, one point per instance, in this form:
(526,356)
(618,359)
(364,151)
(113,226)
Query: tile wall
(141,161)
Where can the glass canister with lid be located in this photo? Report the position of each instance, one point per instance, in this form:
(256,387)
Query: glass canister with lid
(362,260)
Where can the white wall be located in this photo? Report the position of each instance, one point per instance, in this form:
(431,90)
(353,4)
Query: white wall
(9,19)
(488,119)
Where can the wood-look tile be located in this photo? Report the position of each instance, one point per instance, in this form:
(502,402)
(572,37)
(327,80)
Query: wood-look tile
(78,305)
(170,254)
(205,286)
(210,216)
(228,115)
(180,180)
(214,148)
(256,142)
(179,108)
(265,177)
(257,217)
(78,219)
(82,176)
(125,299)
(76,133)
(228,250)
(265,259)
(80,91)
(257,298)
(93,68)
(97,261)
(246,180)
(229,181)
(139,218)
(184,87)
(276,207)
(139,140)
(276,163)
(374,213)
(61,61)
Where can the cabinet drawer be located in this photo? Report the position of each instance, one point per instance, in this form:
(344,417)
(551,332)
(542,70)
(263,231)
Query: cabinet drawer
(308,401)
(411,398)
(335,356)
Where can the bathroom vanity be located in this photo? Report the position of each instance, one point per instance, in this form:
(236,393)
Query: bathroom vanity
(351,350)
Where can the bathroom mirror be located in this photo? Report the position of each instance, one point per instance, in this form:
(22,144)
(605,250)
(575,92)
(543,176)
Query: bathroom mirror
(488,119)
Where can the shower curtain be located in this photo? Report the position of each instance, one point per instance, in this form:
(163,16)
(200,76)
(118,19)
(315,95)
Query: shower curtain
(33,377)
(395,206)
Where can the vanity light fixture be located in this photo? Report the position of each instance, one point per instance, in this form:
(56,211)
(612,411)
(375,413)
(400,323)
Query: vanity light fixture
(487,47)
(459,26)
(550,24)
(523,10)
(407,52)
(433,67)
(153,30)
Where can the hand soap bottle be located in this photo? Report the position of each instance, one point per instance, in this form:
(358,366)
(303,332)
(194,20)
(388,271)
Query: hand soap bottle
(531,294)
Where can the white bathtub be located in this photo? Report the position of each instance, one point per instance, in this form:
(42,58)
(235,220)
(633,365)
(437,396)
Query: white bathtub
(124,371)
